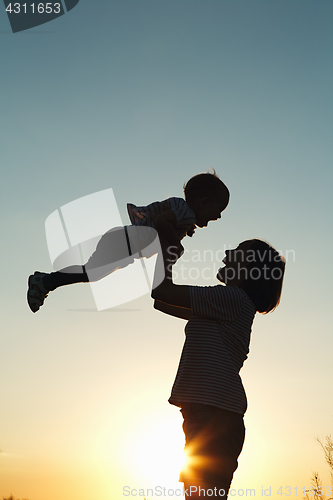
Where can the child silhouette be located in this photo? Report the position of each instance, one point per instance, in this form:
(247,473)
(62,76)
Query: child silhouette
(206,196)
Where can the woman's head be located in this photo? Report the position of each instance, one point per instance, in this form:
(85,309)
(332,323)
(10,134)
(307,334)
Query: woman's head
(257,268)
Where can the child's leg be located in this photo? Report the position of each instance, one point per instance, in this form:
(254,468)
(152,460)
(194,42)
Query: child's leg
(67,276)
(40,284)
(112,252)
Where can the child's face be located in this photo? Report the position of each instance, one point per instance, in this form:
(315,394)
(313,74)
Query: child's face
(209,209)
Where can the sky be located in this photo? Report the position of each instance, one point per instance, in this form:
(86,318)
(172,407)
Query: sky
(139,96)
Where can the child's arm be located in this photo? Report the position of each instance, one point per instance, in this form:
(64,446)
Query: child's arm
(177,312)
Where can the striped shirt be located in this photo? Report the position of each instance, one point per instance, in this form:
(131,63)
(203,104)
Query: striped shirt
(145,216)
(216,346)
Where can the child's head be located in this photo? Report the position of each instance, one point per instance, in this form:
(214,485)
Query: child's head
(257,268)
(207,196)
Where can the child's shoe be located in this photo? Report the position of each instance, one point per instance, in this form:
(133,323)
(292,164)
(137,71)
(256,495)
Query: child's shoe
(37,292)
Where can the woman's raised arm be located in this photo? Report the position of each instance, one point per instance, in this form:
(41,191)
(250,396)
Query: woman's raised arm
(167,291)
(177,312)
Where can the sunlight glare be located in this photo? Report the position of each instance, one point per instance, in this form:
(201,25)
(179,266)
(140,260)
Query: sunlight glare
(156,452)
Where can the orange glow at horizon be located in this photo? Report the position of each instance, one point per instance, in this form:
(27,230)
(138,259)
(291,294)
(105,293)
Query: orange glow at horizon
(155,452)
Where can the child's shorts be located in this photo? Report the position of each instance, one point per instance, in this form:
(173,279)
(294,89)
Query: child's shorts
(119,247)
(213,441)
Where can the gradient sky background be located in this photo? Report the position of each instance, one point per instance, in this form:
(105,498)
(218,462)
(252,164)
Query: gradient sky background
(138,96)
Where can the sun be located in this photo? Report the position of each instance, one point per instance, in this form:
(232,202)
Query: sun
(155,452)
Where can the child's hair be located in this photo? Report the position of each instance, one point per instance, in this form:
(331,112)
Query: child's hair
(205,184)
(264,277)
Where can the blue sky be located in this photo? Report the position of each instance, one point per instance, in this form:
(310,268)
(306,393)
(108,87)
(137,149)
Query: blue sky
(139,96)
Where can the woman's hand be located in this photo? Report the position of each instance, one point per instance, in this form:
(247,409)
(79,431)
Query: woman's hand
(171,250)
(174,253)
(180,250)
(166,224)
